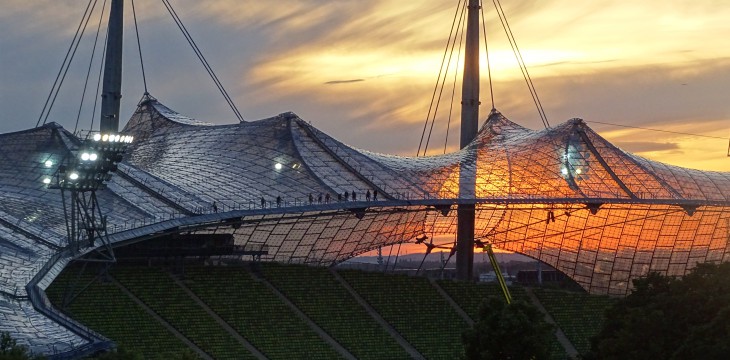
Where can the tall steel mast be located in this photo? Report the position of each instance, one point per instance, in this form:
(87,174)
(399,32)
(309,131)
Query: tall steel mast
(112,90)
(469,126)
(90,166)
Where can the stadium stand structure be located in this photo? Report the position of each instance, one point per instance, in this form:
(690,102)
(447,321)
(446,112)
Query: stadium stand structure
(563,195)
(105,308)
(411,305)
(316,292)
(469,296)
(415,309)
(256,313)
(580,316)
(158,291)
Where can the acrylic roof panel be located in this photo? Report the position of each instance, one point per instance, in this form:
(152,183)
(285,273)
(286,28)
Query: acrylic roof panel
(31,328)
(563,195)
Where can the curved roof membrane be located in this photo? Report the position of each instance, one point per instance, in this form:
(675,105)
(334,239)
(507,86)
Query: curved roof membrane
(563,195)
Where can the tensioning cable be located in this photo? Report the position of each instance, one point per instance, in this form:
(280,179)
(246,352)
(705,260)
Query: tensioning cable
(486,52)
(521,62)
(446,73)
(91,62)
(68,58)
(453,92)
(139,49)
(98,80)
(438,79)
(202,59)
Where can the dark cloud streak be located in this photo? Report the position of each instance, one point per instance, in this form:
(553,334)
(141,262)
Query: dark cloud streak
(335,82)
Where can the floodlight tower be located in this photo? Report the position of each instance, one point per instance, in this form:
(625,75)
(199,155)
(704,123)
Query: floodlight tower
(92,160)
(81,174)
(469,128)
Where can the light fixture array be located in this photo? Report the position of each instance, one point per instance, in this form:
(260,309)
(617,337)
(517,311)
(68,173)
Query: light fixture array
(91,165)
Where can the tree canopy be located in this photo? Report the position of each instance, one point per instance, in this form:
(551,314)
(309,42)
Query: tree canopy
(10,350)
(670,318)
(516,331)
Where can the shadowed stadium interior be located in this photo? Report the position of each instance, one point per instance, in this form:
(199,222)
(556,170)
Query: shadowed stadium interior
(240,297)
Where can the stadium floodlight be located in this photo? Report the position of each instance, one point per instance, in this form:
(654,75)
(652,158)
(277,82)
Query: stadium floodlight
(89,169)
(48,163)
(46,180)
(278,166)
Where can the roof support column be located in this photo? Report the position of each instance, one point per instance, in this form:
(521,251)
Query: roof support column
(469,127)
(112,89)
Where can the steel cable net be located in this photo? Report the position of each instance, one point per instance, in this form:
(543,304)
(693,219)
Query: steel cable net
(563,195)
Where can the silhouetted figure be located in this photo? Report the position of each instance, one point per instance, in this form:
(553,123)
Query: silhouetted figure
(347,196)
(367,195)
(375,195)
(215,207)
(550,217)
(354,197)
(263,202)
(278,201)
(319,198)
(311,199)
(327,198)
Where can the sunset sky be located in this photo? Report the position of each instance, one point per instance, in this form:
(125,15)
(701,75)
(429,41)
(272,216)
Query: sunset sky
(364,71)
